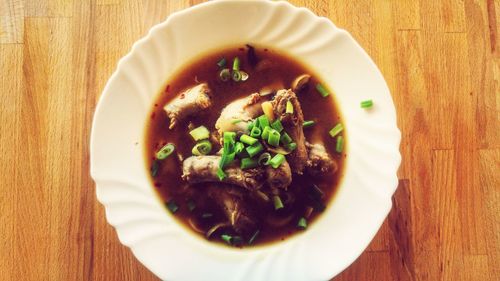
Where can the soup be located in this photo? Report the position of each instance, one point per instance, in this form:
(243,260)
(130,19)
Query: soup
(245,146)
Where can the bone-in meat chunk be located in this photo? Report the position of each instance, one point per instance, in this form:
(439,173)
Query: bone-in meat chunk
(187,103)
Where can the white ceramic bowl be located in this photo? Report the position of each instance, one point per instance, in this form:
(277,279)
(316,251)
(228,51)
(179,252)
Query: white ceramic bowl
(360,205)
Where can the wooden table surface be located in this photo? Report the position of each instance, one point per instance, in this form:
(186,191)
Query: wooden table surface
(441,60)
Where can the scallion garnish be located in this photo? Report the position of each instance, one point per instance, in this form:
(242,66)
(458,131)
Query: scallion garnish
(172,206)
(220,174)
(291,146)
(322,90)
(226,238)
(340,144)
(165,151)
(155,167)
(229,137)
(265,132)
(246,139)
(336,130)
(263,121)
(236,75)
(277,202)
(277,125)
(226,159)
(302,223)
(239,147)
(236,121)
(308,123)
(285,139)
(200,133)
(202,148)
(277,160)
(244,75)
(254,236)
(254,149)
(225,74)
(222,62)
(274,138)
(255,132)
(191,205)
(366,103)
(248,163)
(289,107)
(252,124)
(236,64)
(264,159)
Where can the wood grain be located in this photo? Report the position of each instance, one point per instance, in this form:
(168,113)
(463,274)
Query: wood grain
(441,60)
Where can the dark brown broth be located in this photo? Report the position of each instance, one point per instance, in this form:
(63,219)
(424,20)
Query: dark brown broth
(168,182)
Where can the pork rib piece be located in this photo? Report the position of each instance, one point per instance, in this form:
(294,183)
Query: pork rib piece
(319,161)
(187,103)
(292,122)
(279,178)
(232,201)
(236,116)
(196,169)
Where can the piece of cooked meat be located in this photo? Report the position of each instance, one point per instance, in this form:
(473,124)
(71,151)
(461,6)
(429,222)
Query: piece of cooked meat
(196,169)
(187,103)
(236,116)
(232,201)
(280,177)
(319,161)
(292,122)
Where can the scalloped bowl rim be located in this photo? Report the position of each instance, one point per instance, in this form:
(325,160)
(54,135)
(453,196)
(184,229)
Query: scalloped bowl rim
(252,254)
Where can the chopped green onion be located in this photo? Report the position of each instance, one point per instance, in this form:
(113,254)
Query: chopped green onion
(264,159)
(265,132)
(248,163)
(226,238)
(222,62)
(225,74)
(239,147)
(226,159)
(220,174)
(254,236)
(229,140)
(236,75)
(285,139)
(277,160)
(155,167)
(291,146)
(254,149)
(340,144)
(202,148)
(246,139)
(255,132)
(277,202)
(191,205)
(236,121)
(322,90)
(263,121)
(308,123)
(302,223)
(165,151)
(366,103)
(200,133)
(277,125)
(289,107)
(336,130)
(274,138)
(172,206)
(252,124)
(236,63)
(206,215)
